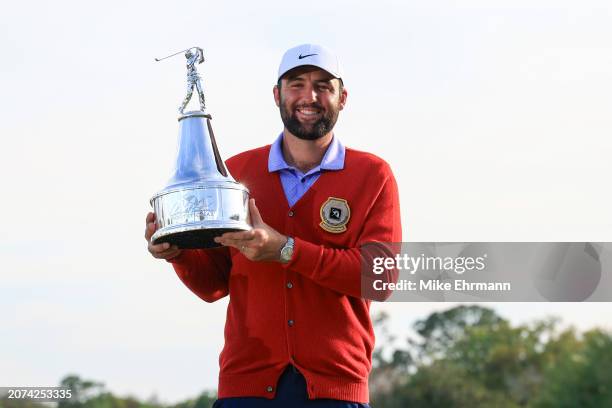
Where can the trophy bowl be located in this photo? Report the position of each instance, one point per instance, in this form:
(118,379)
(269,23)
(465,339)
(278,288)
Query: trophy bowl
(192,216)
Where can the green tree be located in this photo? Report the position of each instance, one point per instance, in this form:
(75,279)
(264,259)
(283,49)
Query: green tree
(5,402)
(442,330)
(581,377)
(390,366)
(82,391)
(92,394)
(445,385)
(468,356)
(204,400)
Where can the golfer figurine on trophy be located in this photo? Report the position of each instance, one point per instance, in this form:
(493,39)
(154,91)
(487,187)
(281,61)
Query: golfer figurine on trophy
(193,78)
(201,200)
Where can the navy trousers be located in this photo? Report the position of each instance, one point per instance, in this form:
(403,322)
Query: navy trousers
(290,393)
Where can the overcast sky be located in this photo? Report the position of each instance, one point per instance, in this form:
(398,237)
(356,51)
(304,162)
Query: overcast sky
(494,115)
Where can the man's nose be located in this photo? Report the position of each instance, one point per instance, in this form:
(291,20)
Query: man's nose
(310,93)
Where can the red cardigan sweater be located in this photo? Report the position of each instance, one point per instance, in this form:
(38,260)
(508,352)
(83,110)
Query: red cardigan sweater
(309,312)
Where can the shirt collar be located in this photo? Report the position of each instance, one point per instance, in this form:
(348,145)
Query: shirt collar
(332,160)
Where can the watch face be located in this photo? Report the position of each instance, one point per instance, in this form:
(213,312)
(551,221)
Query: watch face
(286,254)
(287,251)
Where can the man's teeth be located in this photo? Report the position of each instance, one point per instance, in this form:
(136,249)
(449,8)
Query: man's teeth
(308,112)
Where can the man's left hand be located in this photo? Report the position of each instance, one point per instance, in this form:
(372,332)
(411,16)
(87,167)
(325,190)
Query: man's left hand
(262,243)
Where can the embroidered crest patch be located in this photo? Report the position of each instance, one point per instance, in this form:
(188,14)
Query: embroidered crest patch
(335,214)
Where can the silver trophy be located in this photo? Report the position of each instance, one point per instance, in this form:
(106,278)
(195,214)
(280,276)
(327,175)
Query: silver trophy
(201,200)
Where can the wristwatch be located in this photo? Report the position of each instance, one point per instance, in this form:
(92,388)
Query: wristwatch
(286,251)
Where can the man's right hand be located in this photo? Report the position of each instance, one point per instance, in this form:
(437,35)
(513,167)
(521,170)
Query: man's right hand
(160,251)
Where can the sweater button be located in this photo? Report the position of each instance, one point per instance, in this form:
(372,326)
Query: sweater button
(290,323)
(289,285)
(270,388)
(291,213)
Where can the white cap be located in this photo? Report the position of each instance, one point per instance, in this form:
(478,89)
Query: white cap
(310,54)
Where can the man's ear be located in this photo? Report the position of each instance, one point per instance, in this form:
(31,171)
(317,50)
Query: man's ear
(276,92)
(343,97)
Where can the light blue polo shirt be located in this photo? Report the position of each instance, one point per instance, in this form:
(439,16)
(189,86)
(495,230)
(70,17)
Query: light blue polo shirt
(295,183)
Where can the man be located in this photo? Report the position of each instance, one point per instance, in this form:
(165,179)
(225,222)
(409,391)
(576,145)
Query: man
(298,331)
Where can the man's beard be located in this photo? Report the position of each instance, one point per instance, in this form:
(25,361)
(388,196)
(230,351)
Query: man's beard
(317,130)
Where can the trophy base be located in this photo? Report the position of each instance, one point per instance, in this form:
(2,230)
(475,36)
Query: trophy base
(195,239)
(190,216)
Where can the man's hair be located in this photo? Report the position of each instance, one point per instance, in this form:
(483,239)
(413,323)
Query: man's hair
(340,88)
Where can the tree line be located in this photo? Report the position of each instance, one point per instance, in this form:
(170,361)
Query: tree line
(467,356)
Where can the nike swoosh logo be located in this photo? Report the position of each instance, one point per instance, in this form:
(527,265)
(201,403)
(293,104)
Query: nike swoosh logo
(304,56)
